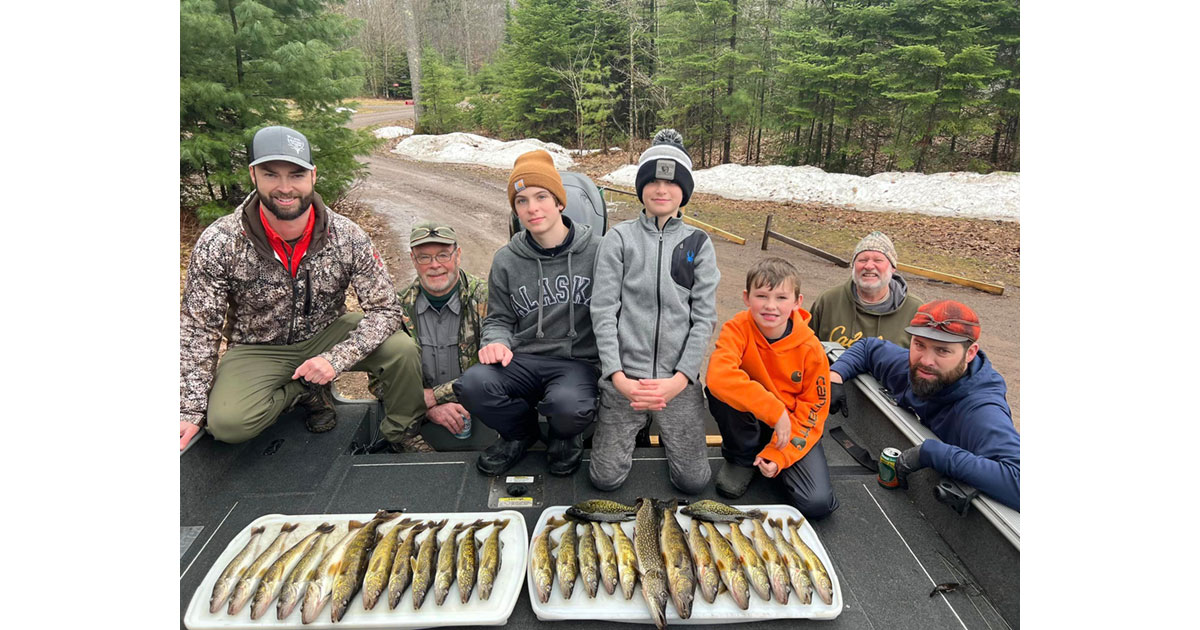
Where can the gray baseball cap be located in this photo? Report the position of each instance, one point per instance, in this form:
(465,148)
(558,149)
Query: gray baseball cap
(281,143)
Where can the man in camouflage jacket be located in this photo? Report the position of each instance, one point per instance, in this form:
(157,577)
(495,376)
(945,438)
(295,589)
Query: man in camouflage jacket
(444,310)
(274,275)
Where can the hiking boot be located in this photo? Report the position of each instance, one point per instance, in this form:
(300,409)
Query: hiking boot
(412,444)
(317,400)
(642,439)
(732,480)
(503,455)
(565,455)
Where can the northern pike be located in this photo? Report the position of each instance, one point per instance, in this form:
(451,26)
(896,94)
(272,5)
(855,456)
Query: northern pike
(776,572)
(541,561)
(717,512)
(354,565)
(627,568)
(422,565)
(465,561)
(602,510)
(651,567)
(489,560)
(589,560)
(273,579)
(305,571)
(681,577)
(234,570)
(249,580)
(608,558)
(796,568)
(728,566)
(319,588)
(707,575)
(820,577)
(382,560)
(566,565)
(756,571)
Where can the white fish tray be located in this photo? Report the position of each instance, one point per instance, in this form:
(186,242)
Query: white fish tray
(616,608)
(476,612)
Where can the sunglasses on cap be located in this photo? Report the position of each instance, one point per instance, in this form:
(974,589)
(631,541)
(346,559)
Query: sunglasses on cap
(443,257)
(424,232)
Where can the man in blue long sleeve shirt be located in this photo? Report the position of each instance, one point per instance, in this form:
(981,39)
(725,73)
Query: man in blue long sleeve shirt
(949,383)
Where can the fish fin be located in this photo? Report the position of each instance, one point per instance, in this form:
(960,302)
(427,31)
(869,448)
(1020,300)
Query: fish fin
(325,528)
(289,527)
(258,530)
(501,523)
(412,562)
(356,525)
(758,515)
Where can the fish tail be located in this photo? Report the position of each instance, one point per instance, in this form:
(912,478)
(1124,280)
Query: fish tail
(500,524)
(356,525)
(758,515)
(325,528)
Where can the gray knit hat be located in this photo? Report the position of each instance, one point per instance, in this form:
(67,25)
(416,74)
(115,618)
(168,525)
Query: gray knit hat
(666,159)
(876,242)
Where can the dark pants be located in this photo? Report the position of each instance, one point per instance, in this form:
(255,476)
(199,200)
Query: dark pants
(509,399)
(805,484)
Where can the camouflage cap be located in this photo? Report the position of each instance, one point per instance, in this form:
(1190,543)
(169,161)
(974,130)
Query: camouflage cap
(945,320)
(431,232)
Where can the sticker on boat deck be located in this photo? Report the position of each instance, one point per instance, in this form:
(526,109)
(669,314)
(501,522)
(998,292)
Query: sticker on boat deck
(515,501)
(527,479)
(516,491)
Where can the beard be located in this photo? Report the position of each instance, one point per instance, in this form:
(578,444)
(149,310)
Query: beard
(880,283)
(285,215)
(924,388)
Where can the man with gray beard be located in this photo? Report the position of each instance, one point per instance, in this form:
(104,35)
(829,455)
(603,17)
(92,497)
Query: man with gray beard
(272,278)
(948,382)
(874,302)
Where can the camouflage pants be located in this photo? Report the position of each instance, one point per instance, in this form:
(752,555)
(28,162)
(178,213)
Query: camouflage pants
(253,383)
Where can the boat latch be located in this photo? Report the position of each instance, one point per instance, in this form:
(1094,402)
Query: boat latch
(954,496)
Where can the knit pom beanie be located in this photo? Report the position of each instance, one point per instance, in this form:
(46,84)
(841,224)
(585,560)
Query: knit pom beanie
(666,159)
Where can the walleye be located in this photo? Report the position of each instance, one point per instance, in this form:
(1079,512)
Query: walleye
(354,565)
(540,560)
(489,560)
(776,572)
(589,560)
(382,560)
(796,568)
(756,572)
(702,559)
(681,577)
(319,588)
(234,571)
(717,512)
(272,580)
(566,565)
(820,577)
(728,565)
(297,581)
(627,567)
(466,561)
(602,510)
(651,567)
(608,558)
(444,576)
(422,565)
(249,579)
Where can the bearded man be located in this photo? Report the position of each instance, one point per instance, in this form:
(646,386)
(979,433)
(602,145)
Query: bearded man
(948,382)
(874,302)
(273,276)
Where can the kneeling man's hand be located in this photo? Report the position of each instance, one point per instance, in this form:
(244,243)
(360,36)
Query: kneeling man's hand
(767,467)
(495,353)
(448,415)
(187,431)
(316,370)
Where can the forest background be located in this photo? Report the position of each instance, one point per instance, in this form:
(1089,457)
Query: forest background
(855,87)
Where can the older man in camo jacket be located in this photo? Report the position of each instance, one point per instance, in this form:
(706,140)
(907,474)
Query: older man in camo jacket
(274,275)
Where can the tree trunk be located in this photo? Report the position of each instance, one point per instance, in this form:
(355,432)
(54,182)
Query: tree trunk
(237,49)
(996,143)
(729,86)
(414,57)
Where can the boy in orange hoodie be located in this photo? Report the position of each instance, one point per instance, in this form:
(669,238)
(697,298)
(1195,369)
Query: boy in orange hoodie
(768,389)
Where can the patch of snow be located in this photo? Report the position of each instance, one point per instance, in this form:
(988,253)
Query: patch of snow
(468,148)
(345,109)
(392,132)
(970,195)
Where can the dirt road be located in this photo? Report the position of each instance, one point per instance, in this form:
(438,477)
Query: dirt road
(404,191)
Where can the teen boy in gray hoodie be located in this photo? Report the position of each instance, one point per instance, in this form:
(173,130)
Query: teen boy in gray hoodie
(654,309)
(537,351)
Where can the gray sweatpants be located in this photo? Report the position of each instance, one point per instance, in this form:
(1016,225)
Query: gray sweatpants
(682,426)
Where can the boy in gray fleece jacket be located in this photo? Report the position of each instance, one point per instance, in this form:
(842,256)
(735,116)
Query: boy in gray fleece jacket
(537,352)
(653,311)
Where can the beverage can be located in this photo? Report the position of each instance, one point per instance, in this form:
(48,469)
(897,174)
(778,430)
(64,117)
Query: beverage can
(466,430)
(887,467)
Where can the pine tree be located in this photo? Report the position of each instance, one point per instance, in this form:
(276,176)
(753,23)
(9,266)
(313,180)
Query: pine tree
(246,64)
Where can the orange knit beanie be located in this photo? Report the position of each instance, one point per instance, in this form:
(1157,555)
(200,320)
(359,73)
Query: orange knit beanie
(535,168)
